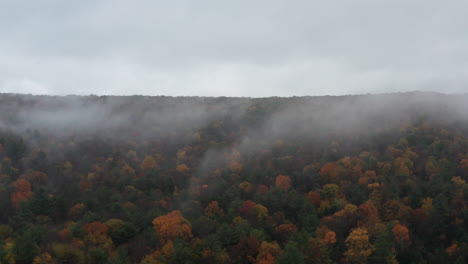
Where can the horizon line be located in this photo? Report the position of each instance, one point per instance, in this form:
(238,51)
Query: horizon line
(226,96)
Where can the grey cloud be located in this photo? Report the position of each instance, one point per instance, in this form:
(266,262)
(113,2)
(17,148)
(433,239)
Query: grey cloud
(242,48)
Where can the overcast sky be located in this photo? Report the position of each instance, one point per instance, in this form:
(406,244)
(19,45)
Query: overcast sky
(233,48)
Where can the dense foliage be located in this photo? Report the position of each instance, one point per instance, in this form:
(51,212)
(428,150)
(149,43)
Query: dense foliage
(358,179)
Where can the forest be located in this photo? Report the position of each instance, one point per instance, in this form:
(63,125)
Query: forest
(208,180)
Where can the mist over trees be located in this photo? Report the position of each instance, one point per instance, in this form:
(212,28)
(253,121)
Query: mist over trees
(135,179)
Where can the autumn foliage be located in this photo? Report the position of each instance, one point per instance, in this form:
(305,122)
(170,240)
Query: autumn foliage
(247,209)
(172,225)
(96,228)
(213,209)
(182,168)
(314,198)
(268,252)
(22,192)
(283,182)
(330,237)
(400,232)
(358,245)
(285,230)
(224,180)
(149,163)
(332,172)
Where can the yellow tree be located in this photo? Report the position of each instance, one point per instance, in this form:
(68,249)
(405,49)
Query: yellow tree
(213,209)
(148,163)
(182,168)
(330,191)
(235,166)
(358,245)
(261,212)
(96,234)
(246,186)
(8,253)
(44,258)
(403,166)
(427,204)
(329,237)
(458,183)
(268,252)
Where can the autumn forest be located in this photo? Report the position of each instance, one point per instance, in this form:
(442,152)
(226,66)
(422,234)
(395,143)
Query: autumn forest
(205,180)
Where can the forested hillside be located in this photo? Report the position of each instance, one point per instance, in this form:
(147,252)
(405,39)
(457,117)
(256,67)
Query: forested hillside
(346,179)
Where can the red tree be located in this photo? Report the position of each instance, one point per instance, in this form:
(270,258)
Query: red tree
(22,192)
(247,209)
(283,182)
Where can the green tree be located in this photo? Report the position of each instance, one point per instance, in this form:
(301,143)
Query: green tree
(97,256)
(291,254)
(40,203)
(25,247)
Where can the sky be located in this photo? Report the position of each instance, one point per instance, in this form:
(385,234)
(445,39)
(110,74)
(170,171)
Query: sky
(254,48)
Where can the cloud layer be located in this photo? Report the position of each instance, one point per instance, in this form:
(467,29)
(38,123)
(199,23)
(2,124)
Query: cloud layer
(241,48)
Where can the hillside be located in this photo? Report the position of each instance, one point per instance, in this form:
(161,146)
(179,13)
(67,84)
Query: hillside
(137,179)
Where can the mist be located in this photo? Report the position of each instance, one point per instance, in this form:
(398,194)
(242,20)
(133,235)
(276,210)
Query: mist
(248,125)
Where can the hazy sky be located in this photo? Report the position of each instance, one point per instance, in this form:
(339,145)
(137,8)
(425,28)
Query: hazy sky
(233,48)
